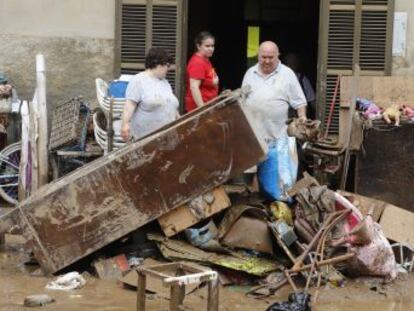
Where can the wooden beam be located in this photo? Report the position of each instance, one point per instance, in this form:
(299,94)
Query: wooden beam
(43,127)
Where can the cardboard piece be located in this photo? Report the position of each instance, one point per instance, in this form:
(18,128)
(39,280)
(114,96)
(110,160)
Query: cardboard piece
(398,224)
(183,217)
(237,261)
(240,235)
(111,268)
(366,205)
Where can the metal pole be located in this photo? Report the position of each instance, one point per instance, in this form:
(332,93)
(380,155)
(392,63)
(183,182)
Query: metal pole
(110,126)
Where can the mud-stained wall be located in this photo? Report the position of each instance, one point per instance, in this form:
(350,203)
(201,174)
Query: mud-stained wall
(76,37)
(405,65)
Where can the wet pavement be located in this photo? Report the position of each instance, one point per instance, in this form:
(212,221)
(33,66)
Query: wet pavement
(17,283)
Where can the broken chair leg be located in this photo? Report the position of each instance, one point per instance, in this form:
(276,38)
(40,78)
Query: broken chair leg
(177,293)
(213,295)
(141,291)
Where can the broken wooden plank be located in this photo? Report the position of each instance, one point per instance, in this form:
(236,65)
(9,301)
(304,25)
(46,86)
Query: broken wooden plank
(183,217)
(237,260)
(40,111)
(24,167)
(398,224)
(116,194)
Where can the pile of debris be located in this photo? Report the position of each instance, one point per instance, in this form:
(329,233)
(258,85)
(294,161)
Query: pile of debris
(317,236)
(320,238)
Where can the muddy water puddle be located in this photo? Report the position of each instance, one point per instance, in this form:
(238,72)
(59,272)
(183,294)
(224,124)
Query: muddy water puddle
(16,284)
(366,306)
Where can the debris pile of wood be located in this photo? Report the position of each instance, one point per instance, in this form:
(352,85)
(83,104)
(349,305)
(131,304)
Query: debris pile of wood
(172,193)
(323,236)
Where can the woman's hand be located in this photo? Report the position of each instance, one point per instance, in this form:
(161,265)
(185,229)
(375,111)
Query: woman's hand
(125,132)
(195,92)
(129,109)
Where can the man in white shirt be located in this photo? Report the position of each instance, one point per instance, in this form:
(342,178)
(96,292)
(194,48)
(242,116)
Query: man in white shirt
(274,88)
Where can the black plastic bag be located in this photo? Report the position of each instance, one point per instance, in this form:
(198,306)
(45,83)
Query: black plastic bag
(296,302)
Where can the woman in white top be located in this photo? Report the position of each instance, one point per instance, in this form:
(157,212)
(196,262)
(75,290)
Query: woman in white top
(150,101)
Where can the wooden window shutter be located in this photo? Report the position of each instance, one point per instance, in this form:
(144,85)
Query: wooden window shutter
(351,32)
(153,23)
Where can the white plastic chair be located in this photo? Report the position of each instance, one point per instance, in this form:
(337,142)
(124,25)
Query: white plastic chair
(101,135)
(104,100)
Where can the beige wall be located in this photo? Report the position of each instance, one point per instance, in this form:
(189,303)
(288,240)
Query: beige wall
(58,18)
(76,37)
(405,65)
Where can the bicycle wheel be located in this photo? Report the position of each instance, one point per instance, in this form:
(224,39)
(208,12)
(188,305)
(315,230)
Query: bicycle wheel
(9,172)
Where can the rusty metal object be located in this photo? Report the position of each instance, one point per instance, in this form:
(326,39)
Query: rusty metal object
(299,261)
(325,262)
(116,194)
(303,229)
(110,126)
(291,282)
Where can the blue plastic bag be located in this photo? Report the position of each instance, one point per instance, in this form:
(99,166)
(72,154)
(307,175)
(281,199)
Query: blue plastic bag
(117,88)
(277,174)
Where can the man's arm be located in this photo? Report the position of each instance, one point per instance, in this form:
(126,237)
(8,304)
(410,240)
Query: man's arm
(296,97)
(301,111)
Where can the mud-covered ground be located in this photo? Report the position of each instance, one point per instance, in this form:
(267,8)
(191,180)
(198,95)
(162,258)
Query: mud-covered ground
(16,282)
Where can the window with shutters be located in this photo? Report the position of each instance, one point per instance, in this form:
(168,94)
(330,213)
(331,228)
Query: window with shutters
(351,32)
(152,23)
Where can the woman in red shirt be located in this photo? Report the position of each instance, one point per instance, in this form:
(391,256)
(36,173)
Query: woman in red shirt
(202,80)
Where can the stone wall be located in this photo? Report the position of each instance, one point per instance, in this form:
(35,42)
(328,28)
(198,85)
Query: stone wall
(76,37)
(72,64)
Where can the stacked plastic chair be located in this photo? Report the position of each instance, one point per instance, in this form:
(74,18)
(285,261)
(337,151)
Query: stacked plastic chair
(100,132)
(100,117)
(104,100)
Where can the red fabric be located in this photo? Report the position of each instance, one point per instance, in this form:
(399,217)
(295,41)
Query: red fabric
(200,68)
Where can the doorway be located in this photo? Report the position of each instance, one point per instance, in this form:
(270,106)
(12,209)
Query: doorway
(293,25)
